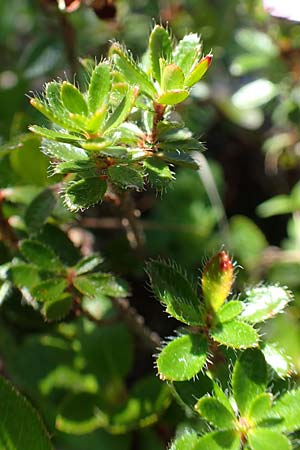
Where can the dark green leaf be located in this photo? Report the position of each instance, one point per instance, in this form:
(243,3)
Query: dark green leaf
(49,290)
(126,177)
(249,378)
(88,263)
(20,425)
(40,255)
(159,173)
(173,289)
(179,158)
(84,193)
(182,358)
(39,210)
(57,309)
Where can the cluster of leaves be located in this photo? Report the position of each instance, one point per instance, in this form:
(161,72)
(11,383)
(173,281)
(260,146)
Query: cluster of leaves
(52,286)
(247,417)
(212,319)
(92,142)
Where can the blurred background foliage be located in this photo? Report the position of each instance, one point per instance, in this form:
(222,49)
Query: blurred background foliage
(246,195)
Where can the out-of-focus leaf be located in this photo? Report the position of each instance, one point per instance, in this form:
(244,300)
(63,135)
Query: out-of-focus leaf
(264,439)
(254,94)
(100,283)
(20,425)
(40,255)
(218,440)
(39,210)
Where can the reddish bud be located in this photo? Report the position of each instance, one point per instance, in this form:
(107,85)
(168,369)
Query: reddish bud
(217,280)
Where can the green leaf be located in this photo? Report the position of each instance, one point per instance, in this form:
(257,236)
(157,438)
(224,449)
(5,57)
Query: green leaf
(24,275)
(49,290)
(64,152)
(287,408)
(235,334)
(179,158)
(187,392)
(84,193)
(53,236)
(280,204)
(84,167)
(87,264)
(57,309)
(182,358)
(173,289)
(160,46)
(198,72)
(96,121)
(215,413)
(73,99)
(147,400)
(229,311)
(255,94)
(264,302)
(221,396)
(265,439)
(219,440)
(172,97)
(126,177)
(99,87)
(54,135)
(20,425)
(132,72)
(260,407)
(158,172)
(101,284)
(60,120)
(172,78)
(249,378)
(39,210)
(280,362)
(40,255)
(186,441)
(123,110)
(187,52)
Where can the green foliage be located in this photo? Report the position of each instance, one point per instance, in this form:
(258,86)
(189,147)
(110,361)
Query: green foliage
(20,425)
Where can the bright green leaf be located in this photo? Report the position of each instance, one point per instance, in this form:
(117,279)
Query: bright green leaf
(218,440)
(280,362)
(265,439)
(182,358)
(186,441)
(158,172)
(249,378)
(287,408)
(172,78)
(73,99)
(87,264)
(172,97)
(187,52)
(100,284)
(49,290)
(215,413)
(260,407)
(99,87)
(229,311)
(235,334)
(54,135)
(123,110)
(198,72)
(160,46)
(264,302)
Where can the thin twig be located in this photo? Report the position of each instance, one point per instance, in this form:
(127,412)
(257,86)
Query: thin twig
(130,222)
(136,324)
